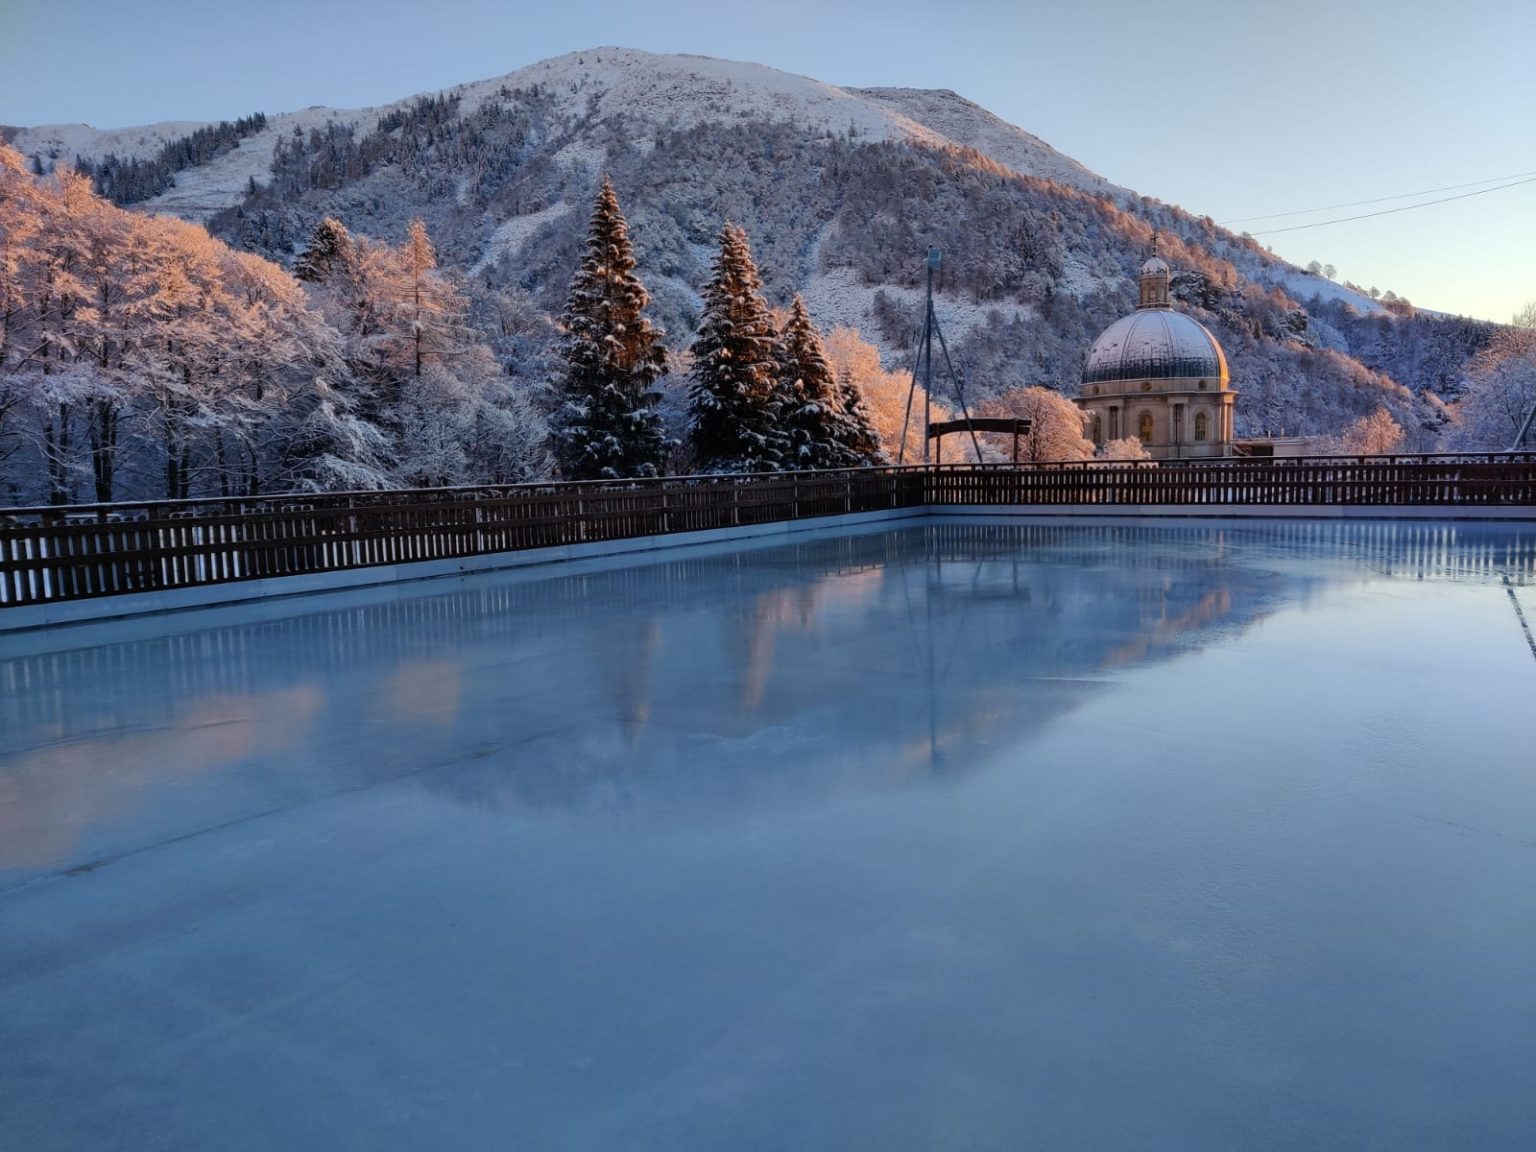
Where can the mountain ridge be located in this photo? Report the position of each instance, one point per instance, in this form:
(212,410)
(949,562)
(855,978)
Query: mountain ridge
(787,93)
(842,191)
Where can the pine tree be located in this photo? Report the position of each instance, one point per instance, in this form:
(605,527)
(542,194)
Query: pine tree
(856,433)
(735,405)
(813,415)
(607,426)
(330,250)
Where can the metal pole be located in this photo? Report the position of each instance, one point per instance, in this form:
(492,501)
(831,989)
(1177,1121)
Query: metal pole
(959,392)
(1524,430)
(906,419)
(933,258)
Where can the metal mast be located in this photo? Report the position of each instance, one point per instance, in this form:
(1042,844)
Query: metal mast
(923,362)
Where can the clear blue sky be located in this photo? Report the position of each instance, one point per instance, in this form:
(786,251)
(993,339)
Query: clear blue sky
(1231,109)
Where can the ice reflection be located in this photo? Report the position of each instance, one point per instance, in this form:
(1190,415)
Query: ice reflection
(52,793)
(427,691)
(757,677)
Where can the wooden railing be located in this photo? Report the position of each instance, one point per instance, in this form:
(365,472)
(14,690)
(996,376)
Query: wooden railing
(72,553)
(1452,481)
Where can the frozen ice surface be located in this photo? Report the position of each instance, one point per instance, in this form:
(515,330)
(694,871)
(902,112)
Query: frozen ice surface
(964,837)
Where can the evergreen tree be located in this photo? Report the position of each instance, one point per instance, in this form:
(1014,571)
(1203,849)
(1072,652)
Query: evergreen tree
(735,404)
(330,250)
(856,432)
(607,426)
(814,416)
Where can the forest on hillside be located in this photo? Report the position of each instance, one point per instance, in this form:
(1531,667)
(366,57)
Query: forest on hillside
(1037,269)
(143,356)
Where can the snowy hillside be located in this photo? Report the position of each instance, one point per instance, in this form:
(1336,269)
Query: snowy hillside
(669,91)
(955,119)
(841,191)
(64,142)
(200,191)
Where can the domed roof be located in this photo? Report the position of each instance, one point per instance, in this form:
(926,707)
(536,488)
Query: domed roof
(1155,344)
(1154,265)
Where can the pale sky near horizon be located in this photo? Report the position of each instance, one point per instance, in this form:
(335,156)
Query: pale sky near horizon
(1231,110)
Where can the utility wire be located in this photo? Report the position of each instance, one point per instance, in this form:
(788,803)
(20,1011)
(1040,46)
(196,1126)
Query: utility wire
(1390,211)
(1377,200)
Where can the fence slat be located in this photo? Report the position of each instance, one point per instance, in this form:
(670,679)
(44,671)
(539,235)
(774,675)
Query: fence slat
(73,553)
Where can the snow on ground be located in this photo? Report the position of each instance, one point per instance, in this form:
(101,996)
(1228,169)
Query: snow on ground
(1077,278)
(680,91)
(1303,287)
(957,119)
(582,154)
(839,298)
(673,91)
(510,236)
(63,142)
(200,191)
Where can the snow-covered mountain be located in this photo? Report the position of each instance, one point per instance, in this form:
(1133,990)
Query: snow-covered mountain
(670,91)
(841,190)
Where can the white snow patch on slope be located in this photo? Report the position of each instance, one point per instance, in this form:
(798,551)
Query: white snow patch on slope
(679,91)
(201,191)
(1303,287)
(972,126)
(63,142)
(509,237)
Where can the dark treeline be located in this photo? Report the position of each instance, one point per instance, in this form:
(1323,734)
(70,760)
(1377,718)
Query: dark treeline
(132,181)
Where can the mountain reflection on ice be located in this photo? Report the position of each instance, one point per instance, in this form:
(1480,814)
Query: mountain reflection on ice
(979,835)
(868,661)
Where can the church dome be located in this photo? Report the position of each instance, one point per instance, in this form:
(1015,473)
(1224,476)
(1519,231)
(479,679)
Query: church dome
(1155,343)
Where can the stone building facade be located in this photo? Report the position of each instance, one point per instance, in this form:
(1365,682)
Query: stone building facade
(1160,376)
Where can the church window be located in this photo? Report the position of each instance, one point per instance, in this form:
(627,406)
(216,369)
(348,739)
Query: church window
(1145,428)
(1202,425)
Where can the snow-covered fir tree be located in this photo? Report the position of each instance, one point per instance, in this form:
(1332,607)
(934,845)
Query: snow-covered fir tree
(735,404)
(330,251)
(856,432)
(607,426)
(822,433)
(881,396)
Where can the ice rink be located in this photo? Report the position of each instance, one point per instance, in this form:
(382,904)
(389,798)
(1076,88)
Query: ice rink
(956,836)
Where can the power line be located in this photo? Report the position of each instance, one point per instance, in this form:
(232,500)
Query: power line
(1377,200)
(1390,211)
